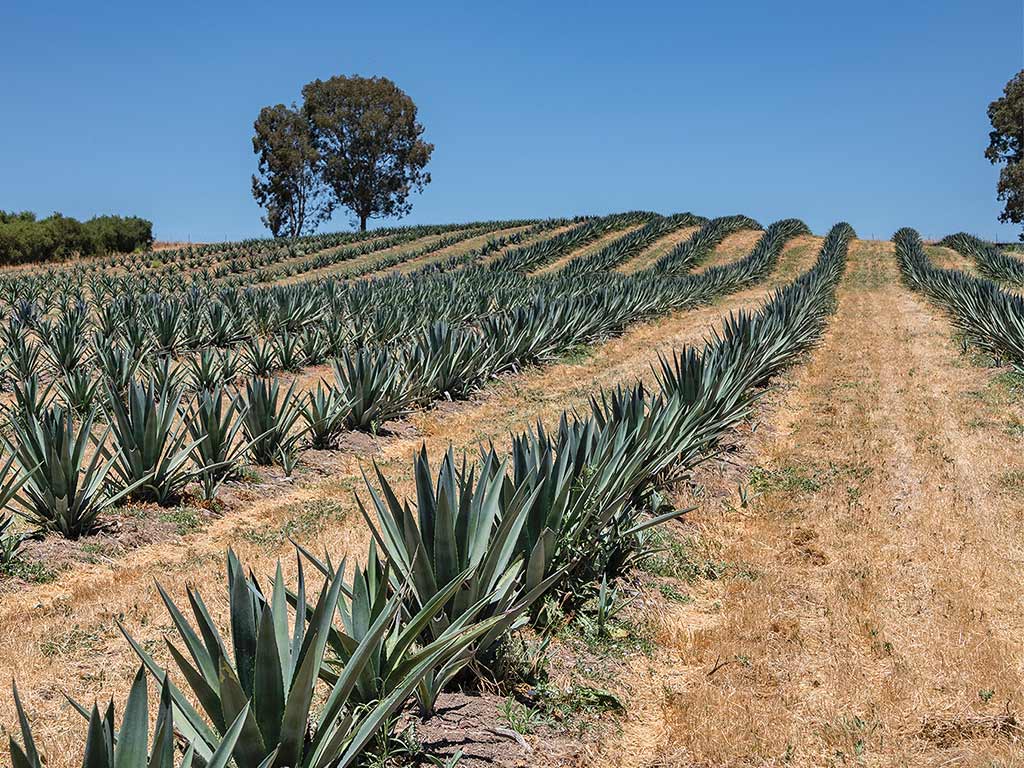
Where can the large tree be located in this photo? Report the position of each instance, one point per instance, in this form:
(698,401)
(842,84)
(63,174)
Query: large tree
(372,155)
(1006,145)
(288,186)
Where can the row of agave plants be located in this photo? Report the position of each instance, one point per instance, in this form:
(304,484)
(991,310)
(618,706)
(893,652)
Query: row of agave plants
(252,261)
(56,288)
(631,244)
(992,261)
(989,316)
(314,677)
(285,327)
(159,439)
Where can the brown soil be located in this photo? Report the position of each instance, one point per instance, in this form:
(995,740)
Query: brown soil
(733,247)
(867,608)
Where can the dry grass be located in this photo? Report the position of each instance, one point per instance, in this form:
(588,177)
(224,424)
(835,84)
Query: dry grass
(947,258)
(869,613)
(587,250)
(655,251)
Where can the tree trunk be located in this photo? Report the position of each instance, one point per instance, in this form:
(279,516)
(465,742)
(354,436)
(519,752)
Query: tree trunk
(362,222)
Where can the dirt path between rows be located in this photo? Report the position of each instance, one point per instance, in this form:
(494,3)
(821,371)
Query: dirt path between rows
(647,257)
(61,636)
(586,250)
(948,258)
(867,610)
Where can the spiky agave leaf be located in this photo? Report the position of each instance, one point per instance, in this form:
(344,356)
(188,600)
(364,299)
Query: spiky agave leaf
(154,445)
(64,491)
(375,385)
(276,667)
(270,418)
(108,746)
(218,432)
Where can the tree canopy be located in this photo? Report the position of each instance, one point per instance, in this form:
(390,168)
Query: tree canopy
(25,238)
(1006,145)
(288,186)
(355,143)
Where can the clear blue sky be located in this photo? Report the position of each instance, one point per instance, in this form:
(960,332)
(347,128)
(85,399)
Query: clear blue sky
(873,112)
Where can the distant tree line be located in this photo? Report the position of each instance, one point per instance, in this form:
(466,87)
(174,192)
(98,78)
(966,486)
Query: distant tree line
(354,143)
(25,238)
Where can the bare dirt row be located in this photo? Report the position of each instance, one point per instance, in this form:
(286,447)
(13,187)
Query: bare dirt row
(857,562)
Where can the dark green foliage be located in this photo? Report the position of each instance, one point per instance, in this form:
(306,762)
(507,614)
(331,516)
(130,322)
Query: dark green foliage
(24,238)
(1006,145)
(288,187)
(371,151)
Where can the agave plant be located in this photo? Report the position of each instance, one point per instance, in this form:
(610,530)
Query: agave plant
(315,346)
(30,396)
(217,431)
(288,347)
(10,541)
(107,746)
(448,361)
(22,354)
(154,444)
(63,491)
(261,357)
(277,669)
(118,364)
(212,368)
(66,342)
(363,600)
(165,373)
(465,524)
(269,421)
(325,414)
(375,385)
(79,390)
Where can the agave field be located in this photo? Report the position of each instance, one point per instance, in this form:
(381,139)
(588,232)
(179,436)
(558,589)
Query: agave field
(225,382)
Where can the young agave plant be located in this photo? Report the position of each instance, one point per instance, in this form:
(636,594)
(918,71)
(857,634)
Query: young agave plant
(463,524)
(261,357)
(314,346)
(325,414)
(63,492)
(79,390)
(165,373)
(206,370)
(375,385)
(154,445)
(22,354)
(269,421)
(107,746)
(220,448)
(167,325)
(10,542)
(288,347)
(30,397)
(66,342)
(117,363)
(278,670)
